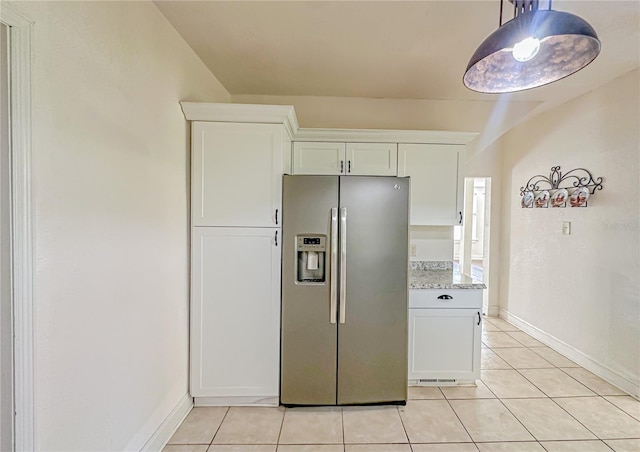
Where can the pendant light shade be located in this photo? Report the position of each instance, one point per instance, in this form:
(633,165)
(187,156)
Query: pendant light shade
(535,48)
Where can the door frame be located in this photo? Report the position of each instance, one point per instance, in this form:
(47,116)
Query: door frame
(20,33)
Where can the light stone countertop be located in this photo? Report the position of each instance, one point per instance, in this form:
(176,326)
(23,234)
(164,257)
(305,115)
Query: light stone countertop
(439,275)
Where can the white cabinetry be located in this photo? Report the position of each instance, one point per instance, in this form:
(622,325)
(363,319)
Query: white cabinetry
(239,154)
(445,340)
(372,159)
(236,175)
(318,158)
(436,182)
(357,159)
(235,315)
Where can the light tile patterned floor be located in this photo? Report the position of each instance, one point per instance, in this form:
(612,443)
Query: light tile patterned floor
(531,398)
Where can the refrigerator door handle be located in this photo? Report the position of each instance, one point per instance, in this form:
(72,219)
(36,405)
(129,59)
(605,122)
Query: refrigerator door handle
(333,307)
(343,264)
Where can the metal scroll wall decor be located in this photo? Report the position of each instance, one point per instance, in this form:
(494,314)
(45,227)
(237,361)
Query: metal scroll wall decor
(560,190)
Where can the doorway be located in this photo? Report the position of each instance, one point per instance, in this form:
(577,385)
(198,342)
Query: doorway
(16,237)
(6,273)
(472,239)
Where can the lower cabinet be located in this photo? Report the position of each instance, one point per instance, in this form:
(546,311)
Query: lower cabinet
(444,344)
(235,315)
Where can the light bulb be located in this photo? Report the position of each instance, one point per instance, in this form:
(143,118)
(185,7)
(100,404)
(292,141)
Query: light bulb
(526,49)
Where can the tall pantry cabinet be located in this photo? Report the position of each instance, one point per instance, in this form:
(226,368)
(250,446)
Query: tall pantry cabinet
(238,156)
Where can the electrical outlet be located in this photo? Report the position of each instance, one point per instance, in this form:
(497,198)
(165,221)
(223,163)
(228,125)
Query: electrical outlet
(413,250)
(566,228)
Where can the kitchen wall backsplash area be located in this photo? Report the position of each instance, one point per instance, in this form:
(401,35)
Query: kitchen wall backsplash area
(431,243)
(431,265)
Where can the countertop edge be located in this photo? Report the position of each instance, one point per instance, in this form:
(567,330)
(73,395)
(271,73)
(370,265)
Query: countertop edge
(447,286)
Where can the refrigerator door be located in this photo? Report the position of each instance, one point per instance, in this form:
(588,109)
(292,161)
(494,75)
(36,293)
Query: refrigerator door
(309,318)
(372,329)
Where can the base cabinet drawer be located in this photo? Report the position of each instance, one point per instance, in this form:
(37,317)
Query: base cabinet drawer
(444,344)
(445,298)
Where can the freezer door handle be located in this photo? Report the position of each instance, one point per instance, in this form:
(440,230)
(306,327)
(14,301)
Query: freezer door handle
(343,264)
(333,306)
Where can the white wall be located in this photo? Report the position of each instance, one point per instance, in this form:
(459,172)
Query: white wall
(487,162)
(110,159)
(403,114)
(582,289)
(433,243)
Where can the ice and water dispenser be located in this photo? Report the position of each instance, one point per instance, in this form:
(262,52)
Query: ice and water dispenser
(311,250)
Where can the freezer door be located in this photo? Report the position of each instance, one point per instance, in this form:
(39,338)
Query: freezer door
(309,323)
(372,328)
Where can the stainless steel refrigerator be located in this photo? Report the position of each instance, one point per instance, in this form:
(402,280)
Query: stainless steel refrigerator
(344,290)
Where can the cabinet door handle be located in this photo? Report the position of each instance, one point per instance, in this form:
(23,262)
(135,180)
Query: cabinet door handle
(276,238)
(460,217)
(445,297)
(349,166)
(276,216)
(479,317)
(341,166)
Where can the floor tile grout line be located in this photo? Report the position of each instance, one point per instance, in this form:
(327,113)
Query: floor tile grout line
(532,383)
(594,433)
(561,407)
(516,418)
(566,373)
(605,397)
(281,424)
(502,400)
(226,412)
(461,423)
(507,333)
(344,440)
(403,426)
(583,384)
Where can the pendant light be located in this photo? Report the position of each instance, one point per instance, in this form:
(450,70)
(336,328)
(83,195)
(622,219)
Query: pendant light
(536,47)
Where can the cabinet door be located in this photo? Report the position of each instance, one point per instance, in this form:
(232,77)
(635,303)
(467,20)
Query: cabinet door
(444,344)
(436,182)
(372,159)
(235,312)
(318,158)
(236,175)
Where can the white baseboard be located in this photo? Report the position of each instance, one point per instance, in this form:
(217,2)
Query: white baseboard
(452,383)
(237,401)
(584,360)
(169,425)
(491,311)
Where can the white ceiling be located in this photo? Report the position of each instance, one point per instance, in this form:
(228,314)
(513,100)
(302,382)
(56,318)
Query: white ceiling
(372,49)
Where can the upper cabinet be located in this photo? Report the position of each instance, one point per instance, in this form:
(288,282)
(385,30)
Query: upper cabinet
(357,159)
(436,182)
(372,159)
(318,158)
(239,153)
(237,172)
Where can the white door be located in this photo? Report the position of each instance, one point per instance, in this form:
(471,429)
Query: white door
(372,159)
(436,182)
(318,158)
(235,312)
(236,175)
(444,344)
